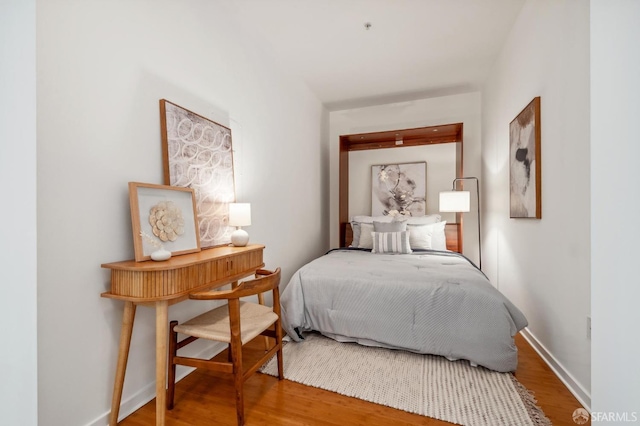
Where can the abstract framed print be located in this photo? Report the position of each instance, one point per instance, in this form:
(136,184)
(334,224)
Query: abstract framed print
(197,153)
(524,163)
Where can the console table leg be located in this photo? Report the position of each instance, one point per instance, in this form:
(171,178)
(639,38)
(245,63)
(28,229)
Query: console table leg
(162,328)
(123,355)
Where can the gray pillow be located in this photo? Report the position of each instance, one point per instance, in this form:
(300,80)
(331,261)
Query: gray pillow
(399,226)
(391,242)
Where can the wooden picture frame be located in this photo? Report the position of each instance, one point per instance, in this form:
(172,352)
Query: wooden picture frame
(197,153)
(163,215)
(525,190)
(401,187)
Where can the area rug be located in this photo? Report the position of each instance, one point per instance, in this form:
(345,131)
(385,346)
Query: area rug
(423,384)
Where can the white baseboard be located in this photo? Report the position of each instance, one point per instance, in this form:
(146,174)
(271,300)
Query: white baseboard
(147,393)
(565,377)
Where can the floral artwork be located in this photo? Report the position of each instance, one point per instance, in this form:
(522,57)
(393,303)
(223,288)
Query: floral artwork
(398,187)
(198,154)
(166,221)
(163,221)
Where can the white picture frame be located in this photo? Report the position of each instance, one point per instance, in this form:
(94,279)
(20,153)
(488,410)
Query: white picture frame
(173,209)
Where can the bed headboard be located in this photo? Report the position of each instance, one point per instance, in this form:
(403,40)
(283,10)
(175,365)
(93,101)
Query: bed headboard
(451,232)
(446,133)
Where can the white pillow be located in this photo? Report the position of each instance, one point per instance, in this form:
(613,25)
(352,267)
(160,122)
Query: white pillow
(438,237)
(421,234)
(366,240)
(355,234)
(357,220)
(416,220)
(391,242)
(371,219)
(424,220)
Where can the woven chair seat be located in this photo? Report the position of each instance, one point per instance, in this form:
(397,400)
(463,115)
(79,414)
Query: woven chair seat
(214,324)
(235,323)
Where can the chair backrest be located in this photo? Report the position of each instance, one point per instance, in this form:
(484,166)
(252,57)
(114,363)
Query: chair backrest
(265,281)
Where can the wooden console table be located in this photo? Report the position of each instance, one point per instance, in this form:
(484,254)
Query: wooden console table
(160,284)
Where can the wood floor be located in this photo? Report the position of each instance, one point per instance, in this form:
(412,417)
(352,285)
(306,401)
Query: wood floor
(206,398)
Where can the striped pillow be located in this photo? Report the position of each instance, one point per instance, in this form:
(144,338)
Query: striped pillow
(391,242)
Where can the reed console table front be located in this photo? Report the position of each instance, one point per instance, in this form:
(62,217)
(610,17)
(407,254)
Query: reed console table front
(160,284)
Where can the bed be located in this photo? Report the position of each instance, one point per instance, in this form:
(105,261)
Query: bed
(405,296)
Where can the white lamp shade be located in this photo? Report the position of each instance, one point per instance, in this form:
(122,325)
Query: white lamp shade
(455,201)
(239,214)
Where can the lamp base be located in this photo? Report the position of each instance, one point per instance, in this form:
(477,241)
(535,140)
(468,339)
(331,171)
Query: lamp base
(239,237)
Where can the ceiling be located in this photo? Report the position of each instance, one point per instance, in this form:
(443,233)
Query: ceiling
(413,49)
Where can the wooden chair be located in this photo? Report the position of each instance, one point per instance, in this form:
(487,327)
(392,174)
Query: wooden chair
(235,323)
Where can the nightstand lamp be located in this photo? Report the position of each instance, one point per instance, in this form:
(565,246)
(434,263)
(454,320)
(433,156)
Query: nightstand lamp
(239,216)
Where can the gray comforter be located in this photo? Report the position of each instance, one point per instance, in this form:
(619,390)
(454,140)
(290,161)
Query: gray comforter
(426,302)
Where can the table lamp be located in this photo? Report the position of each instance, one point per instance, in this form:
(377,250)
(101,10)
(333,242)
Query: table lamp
(239,216)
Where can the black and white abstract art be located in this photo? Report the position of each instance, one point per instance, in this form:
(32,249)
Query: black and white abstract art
(524,162)
(400,187)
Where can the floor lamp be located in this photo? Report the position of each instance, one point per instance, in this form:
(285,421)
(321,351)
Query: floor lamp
(460,202)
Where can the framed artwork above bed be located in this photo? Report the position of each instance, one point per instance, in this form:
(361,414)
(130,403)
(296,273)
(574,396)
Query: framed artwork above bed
(400,187)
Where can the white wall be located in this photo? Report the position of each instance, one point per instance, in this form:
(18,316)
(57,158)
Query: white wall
(463,108)
(18,307)
(543,265)
(615,206)
(102,67)
(441,171)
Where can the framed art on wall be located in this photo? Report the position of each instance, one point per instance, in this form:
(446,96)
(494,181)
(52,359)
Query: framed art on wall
(162,217)
(524,163)
(400,187)
(197,153)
